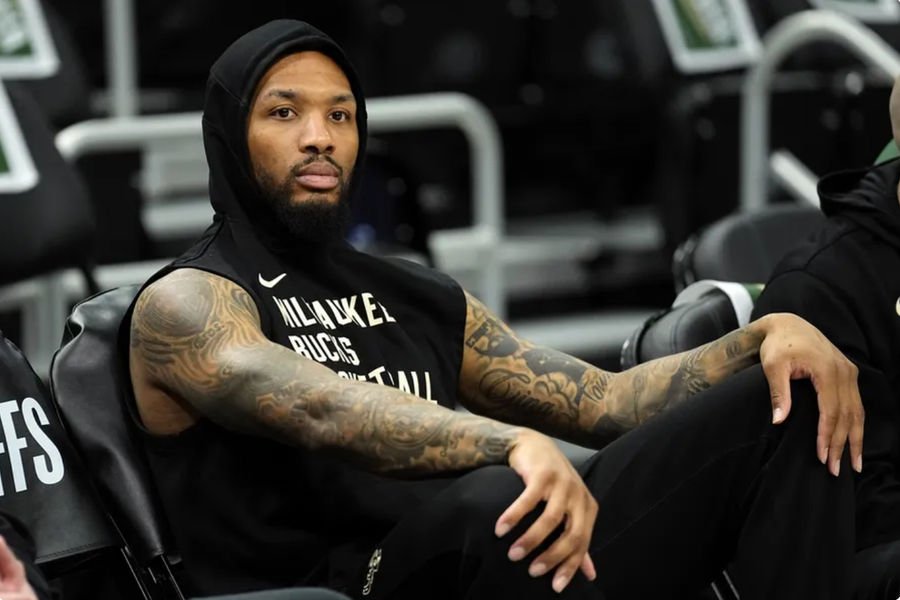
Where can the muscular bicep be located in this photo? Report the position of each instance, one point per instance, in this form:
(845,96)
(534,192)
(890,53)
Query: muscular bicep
(196,343)
(196,337)
(184,328)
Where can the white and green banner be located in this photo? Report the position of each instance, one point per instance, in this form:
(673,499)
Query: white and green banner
(708,35)
(26,48)
(870,11)
(17,172)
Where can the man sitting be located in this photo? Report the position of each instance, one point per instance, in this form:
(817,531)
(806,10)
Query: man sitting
(296,399)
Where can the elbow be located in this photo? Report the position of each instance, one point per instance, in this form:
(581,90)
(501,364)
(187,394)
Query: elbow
(291,422)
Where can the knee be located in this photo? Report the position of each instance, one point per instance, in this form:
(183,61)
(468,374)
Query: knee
(484,494)
(743,404)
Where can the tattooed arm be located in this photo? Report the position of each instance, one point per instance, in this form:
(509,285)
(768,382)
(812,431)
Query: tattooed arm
(515,381)
(197,350)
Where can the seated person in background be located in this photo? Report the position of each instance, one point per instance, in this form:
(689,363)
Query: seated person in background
(296,402)
(846,281)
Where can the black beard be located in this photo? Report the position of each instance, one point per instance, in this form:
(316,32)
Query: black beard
(316,220)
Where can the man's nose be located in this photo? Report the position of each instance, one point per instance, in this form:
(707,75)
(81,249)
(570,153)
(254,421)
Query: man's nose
(315,137)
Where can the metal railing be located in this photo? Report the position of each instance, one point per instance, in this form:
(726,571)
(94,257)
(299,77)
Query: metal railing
(120,38)
(45,300)
(795,177)
(391,114)
(787,36)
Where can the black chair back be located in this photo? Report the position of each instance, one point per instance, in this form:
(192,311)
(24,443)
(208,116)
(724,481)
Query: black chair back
(744,246)
(90,382)
(50,226)
(91,385)
(43,483)
(64,96)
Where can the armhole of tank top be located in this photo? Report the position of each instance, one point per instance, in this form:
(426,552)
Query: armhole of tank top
(157,441)
(164,442)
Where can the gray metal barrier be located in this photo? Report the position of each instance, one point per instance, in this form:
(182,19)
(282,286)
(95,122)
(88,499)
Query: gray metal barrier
(44,301)
(787,36)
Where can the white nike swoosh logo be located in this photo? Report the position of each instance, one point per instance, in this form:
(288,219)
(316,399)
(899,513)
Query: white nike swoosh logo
(270,283)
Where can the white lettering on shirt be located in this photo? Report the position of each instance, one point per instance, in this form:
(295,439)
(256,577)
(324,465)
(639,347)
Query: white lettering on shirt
(362,309)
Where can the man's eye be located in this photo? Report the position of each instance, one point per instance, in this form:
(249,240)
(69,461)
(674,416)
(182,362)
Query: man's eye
(340,115)
(283,113)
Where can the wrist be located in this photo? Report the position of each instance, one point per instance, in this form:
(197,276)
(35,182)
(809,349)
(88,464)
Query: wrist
(518,437)
(765,325)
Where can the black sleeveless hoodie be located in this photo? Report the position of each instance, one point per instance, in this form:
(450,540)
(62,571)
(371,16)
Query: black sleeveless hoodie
(248,513)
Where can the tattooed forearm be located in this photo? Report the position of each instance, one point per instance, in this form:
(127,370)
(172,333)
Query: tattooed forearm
(382,428)
(517,382)
(197,338)
(379,427)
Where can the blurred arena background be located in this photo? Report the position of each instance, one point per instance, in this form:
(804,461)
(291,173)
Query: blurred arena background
(615,148)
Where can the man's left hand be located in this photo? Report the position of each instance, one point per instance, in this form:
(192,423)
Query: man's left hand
(794,349)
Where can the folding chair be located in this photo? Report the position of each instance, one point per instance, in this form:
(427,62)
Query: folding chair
(90,382)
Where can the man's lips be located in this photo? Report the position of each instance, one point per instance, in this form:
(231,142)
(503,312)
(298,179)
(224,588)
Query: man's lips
(319,176)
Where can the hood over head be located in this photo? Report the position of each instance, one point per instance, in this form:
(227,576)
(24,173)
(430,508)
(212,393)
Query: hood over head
(230,89)
(868,197)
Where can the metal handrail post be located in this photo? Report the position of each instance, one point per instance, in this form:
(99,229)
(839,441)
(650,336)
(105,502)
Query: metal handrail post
(44,321)
(784,38)
(120,35)
(795,177)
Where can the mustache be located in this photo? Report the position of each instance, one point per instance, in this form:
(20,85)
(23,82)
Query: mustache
(297,167)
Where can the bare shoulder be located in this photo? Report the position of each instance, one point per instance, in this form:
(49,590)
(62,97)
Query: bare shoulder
(180,326)
(182,303)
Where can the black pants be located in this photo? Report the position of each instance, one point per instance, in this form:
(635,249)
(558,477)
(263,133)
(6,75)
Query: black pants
(876,572)
(708,484)
(283,594)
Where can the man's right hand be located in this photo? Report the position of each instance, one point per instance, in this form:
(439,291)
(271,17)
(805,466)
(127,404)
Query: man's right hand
(550,477)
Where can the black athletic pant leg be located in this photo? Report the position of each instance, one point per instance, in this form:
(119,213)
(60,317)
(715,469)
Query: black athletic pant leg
(714,479)
(708,481)
(876,572)
(283,594)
